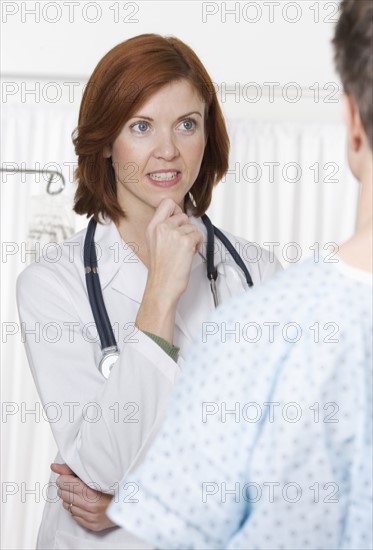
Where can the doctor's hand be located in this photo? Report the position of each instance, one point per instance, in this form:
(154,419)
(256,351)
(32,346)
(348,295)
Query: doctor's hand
(172,243)
(86,505)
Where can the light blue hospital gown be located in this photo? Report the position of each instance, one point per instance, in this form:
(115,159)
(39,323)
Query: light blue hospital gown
(268,440)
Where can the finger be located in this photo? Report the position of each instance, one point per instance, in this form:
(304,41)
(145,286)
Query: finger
(177,220)
(165,209)
(70,484)
(81,494)
(73,484)
(92,518)
(76,511)
(194,234)
(192,230)
(68,480)
(85,500)
(78,503)
(68,498)
(62,469)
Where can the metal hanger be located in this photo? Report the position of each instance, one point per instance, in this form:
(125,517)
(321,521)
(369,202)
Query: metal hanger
(52,174)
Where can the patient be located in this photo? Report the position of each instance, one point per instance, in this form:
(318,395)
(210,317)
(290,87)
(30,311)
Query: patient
(268,440)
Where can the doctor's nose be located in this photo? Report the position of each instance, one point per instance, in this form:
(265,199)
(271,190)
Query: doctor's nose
(166,147)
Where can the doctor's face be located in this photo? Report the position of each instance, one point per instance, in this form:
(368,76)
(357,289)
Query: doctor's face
(159,151)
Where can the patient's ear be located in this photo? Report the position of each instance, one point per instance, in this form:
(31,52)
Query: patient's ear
(355,129)
(358,148)
(107,151)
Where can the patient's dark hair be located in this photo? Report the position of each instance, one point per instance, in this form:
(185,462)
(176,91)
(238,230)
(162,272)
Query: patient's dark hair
(353,43)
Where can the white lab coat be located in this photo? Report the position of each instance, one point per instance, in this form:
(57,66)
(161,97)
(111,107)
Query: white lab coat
(104,427)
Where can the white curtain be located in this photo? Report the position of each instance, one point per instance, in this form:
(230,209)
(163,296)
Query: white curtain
(287,183)
(317,207)
(36,137)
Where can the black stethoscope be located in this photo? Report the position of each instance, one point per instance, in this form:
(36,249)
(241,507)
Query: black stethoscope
(110,351)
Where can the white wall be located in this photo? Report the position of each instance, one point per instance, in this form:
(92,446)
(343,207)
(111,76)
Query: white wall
(234,48)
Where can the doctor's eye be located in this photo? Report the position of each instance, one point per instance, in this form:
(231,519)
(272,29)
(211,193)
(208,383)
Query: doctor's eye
(140,127)
(188,124)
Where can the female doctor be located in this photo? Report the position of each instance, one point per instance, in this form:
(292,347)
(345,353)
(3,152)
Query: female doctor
(151,144)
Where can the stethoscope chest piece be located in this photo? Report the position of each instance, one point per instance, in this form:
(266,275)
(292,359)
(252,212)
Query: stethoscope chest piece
(107,362)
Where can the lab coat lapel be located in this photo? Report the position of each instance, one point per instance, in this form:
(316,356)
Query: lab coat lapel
(188,300)
(118,265)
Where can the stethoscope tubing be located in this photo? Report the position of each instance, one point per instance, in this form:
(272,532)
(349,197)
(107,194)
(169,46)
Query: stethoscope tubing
(96,300)
(212,272)
(95,297)
(235,255)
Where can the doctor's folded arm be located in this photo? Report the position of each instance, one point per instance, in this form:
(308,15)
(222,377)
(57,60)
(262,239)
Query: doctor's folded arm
(131,291)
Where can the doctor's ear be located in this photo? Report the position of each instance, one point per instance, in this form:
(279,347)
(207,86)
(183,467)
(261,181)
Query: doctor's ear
(107,152)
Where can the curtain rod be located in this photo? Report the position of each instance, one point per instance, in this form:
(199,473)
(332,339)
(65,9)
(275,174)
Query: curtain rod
(51,173)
